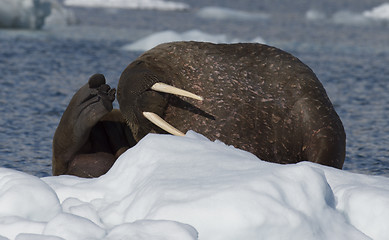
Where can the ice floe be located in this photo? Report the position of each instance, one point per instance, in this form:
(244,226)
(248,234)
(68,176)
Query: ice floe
(187,188)
(34,14)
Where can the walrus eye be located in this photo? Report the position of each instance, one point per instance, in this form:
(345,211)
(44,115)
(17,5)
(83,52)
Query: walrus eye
(157,120)
(162,87)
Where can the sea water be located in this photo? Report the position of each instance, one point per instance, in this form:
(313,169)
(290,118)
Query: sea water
(41,69)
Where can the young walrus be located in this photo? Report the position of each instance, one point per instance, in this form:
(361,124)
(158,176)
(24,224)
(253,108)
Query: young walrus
(253,96)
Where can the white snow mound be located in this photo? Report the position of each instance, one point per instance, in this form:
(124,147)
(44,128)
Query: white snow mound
(186,188)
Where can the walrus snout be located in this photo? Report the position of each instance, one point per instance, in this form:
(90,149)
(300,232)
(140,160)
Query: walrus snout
(139,96)
(155,116)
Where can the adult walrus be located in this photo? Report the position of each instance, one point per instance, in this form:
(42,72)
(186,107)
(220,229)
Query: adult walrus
(255,97)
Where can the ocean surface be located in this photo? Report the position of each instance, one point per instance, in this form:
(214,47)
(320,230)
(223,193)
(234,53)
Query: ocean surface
(40,70)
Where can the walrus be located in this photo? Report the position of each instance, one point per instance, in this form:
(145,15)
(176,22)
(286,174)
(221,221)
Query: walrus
(253,96)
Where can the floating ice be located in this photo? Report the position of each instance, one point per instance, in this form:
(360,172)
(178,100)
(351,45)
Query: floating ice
(185,188)
(378,13)
(138,4)
(171,36)
(154,39)
(349,18)
(220,13)
(33,14)
(315,15)
(59,16)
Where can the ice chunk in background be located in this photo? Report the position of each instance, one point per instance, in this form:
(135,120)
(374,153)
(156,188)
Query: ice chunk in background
(315,15)
(33,14)
(22,14)
(59,16)
(349,18)
(132,4)
(346,17)
(220,13)
(380,12)
(154,39)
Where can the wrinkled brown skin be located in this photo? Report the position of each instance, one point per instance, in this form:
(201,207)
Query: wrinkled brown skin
(90,136)
(256,97)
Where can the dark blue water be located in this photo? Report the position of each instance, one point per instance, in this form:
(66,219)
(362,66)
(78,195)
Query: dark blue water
(41,70)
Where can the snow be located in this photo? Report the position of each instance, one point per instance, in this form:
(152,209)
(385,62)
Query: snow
(137,4)
(34,192)
(154,39)
(186,188)
(34,14)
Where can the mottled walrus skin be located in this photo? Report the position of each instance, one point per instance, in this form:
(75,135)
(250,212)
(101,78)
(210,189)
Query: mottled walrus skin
(256,97)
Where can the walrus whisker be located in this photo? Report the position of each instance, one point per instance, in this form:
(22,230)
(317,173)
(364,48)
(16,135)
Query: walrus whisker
(163,87)
(157,120)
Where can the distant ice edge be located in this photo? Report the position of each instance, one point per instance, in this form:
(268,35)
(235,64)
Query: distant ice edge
(345,17)
(154,39)
(131,4)
(38,14)
(34,14)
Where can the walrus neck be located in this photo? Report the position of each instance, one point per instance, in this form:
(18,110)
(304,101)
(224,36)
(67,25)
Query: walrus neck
(134,129)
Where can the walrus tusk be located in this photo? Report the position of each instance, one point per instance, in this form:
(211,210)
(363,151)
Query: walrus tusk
(157,120)
(163,87)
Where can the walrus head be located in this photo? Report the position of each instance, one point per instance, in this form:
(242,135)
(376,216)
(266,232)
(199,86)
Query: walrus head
(143,98)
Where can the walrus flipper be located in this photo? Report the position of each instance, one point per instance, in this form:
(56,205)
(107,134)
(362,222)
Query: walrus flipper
(88,106)
(324,138)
